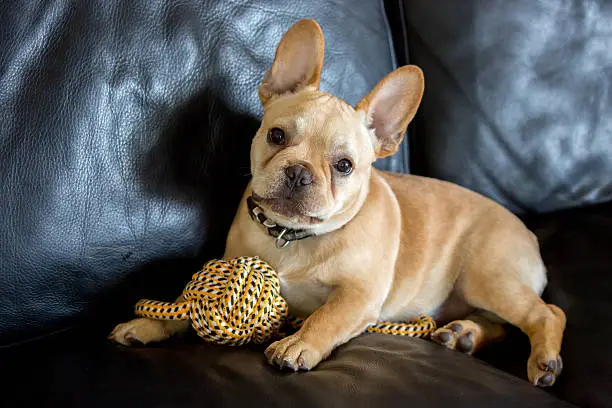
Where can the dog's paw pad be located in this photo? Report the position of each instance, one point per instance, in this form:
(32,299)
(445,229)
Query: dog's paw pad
(442,336)
(456,336)
(545,371)
(550,366)
(455,327)
(546,380)
(465,343)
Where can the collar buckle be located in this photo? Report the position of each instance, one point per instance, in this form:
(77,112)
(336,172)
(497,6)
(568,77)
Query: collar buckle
(280,242)
(277,232)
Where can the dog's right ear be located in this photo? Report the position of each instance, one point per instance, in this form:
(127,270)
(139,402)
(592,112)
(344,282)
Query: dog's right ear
(298,62)
(391,105)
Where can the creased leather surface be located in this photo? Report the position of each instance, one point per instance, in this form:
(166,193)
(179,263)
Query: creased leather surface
(124,139)
(518,98)
(370,371)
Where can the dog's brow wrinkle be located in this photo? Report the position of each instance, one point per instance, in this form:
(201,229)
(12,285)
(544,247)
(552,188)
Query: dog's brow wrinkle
(300,125)
(323,97)
(347,108)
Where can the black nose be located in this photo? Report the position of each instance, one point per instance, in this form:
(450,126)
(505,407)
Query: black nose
(298,176)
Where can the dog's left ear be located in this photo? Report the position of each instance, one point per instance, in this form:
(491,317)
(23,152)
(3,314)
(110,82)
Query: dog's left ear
(298,62)
(391,105)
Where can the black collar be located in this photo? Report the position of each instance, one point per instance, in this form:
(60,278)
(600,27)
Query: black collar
(283,235)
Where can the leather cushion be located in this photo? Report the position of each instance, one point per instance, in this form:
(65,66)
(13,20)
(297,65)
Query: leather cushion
(518,98)
(125,137)
(78,370)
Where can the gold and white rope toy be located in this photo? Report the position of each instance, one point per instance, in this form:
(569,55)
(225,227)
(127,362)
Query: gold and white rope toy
(238,301)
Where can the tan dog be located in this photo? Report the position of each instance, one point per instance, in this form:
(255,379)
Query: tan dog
(384,246)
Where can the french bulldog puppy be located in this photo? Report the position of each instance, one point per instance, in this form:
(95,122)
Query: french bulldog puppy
(354,245)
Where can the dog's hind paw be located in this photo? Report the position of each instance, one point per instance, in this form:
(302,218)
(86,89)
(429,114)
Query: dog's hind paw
(455,337)
(468,336)
(542,370)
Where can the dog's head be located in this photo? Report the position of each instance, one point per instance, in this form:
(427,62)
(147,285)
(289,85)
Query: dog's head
(311,158)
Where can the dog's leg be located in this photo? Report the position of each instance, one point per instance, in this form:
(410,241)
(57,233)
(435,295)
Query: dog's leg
(469,335)
(145,330)
(345,315)
(509,298)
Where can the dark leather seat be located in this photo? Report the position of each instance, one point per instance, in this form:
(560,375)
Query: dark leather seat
(124,150)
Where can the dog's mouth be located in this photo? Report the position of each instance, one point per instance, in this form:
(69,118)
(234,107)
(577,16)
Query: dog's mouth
(287,211)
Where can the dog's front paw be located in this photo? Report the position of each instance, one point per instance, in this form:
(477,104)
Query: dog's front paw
(139,332)
(293,353)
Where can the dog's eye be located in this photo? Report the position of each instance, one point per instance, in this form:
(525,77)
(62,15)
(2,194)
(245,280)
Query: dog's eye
(276,136)
(344,166)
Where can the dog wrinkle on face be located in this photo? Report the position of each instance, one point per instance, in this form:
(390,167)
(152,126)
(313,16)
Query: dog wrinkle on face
(300,125)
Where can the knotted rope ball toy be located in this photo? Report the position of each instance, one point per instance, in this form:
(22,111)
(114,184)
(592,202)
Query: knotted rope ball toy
(229,302)
(238,301)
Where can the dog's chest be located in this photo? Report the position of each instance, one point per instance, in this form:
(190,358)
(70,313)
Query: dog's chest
(304,297)
(297,267)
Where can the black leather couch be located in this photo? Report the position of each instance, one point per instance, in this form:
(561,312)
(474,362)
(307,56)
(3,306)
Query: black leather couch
(124,148)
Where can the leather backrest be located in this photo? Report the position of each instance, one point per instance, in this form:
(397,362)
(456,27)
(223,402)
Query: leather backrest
(518,98)
(125,137)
